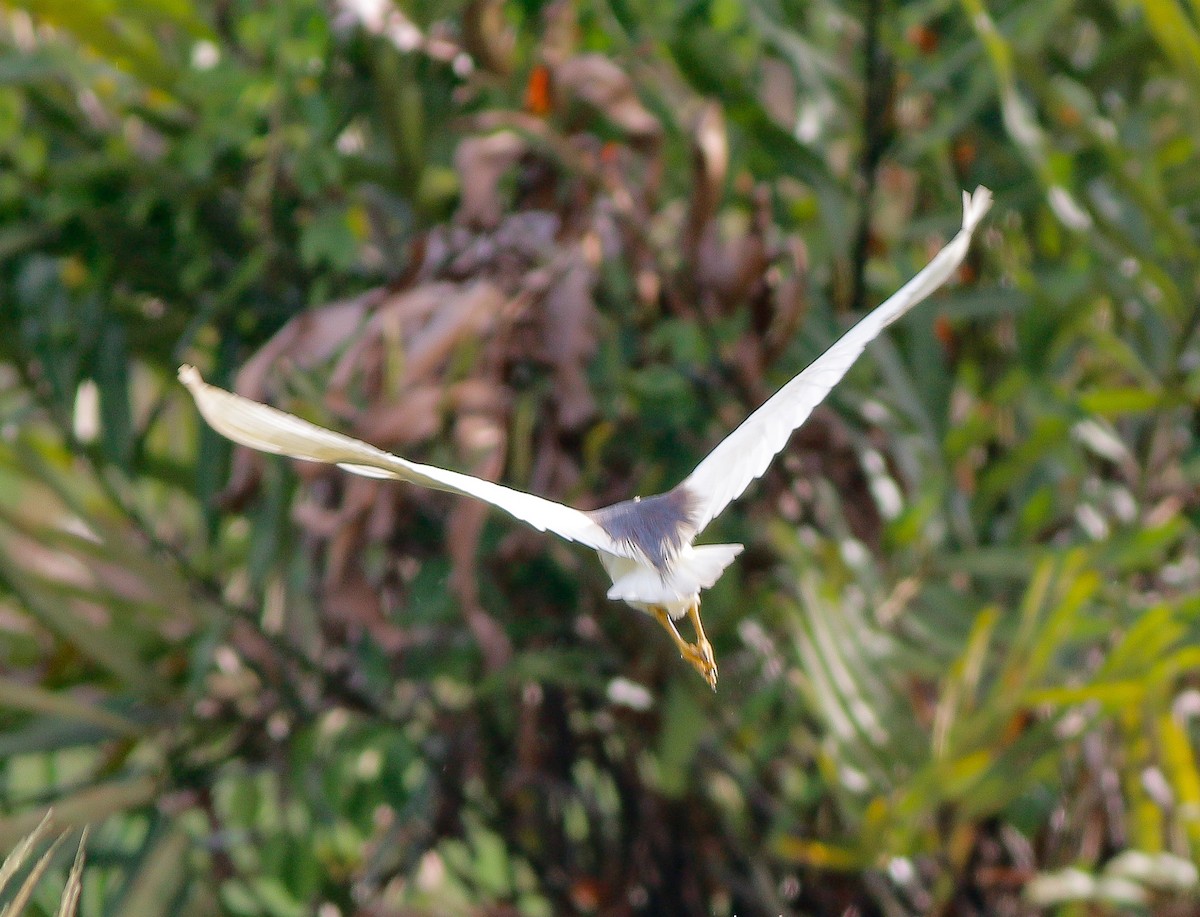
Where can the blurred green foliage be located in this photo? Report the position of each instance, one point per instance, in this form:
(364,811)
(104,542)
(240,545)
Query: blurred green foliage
(959,657)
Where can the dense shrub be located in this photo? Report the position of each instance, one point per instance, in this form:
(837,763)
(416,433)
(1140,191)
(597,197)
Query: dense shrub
(569,246)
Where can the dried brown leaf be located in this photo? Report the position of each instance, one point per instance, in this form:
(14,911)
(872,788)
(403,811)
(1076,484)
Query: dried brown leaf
(710,165)
(354,601)
(391,324)
(412,417)
(479,395)
(310,338)
(481,162)
(603,85)
(318,520)
(790,300)
(488,37)
(345,540)
(467,314)
(778,92)
(568,341)
(560,34)
(728,270)
(486,436)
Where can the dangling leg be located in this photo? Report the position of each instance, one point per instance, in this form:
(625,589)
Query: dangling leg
(709,662)
(685,649)
(700,656)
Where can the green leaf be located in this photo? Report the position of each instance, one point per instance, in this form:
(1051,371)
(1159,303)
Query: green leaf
(17,696)
(1118,402)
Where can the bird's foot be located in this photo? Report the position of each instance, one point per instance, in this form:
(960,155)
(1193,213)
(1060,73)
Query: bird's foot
(699,654)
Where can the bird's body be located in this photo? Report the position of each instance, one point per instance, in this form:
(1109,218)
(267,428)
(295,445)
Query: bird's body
(646,544)
(694,568)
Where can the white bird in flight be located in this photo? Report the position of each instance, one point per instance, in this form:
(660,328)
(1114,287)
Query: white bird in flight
(645,544)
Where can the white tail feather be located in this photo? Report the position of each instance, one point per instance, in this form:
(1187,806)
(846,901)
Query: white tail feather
(697,567)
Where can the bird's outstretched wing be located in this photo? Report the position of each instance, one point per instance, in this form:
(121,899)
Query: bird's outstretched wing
(268,429)
(745,454)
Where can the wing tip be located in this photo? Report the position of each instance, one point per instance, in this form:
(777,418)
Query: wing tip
(190,376)
(975,206)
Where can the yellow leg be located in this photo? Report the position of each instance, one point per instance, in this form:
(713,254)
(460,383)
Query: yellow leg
(700,654)
(703,646)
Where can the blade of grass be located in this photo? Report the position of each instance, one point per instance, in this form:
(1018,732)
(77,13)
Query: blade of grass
(15,907)
(17,696)
(74,887)
(88,806)
(14,860)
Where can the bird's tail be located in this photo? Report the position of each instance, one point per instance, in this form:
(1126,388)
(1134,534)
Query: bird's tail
(695,568)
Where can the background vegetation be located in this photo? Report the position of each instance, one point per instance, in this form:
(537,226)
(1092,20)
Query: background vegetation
(570,246)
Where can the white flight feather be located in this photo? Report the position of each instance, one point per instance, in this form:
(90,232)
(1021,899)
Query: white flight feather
(722,477)
(746,453)
(268,429)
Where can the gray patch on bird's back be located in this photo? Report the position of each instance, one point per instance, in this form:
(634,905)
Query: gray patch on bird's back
(658,527)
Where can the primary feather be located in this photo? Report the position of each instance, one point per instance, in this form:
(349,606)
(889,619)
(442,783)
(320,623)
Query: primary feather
(268,429)
(745,454)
